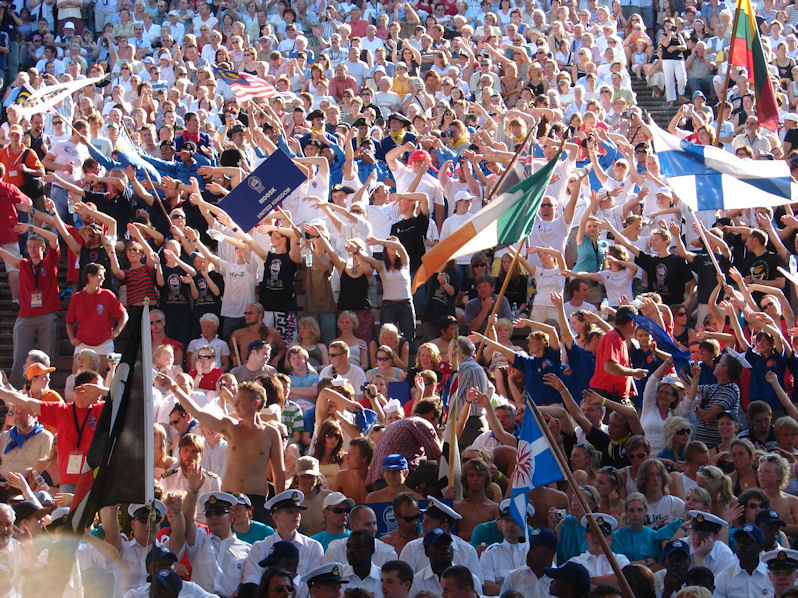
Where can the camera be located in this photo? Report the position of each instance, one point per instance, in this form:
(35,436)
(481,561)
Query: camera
(114,357)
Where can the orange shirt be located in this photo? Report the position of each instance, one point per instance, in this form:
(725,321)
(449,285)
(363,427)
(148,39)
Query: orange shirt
(12,162)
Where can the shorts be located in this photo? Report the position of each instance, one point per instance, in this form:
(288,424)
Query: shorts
(259,511)
(104,349)
(13,249)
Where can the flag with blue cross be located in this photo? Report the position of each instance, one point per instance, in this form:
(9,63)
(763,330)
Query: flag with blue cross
(710,178)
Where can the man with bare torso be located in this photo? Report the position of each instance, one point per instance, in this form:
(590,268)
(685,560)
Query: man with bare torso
(394,472)
(253,444)
(476,507)
(352,481)
(255,330)
(407,515)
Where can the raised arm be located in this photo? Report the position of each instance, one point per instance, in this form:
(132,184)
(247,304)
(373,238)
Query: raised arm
(219,424)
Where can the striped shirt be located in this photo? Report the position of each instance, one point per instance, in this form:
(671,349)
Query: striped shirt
(141,284)
(725,395)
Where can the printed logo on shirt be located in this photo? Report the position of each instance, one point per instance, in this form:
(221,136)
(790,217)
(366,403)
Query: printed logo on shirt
(91,422)
(173,281)
(100,308)
(662,273)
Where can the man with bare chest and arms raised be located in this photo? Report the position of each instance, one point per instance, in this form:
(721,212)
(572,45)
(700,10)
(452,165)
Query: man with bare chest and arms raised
(253,444)
(476,507)
(256,330)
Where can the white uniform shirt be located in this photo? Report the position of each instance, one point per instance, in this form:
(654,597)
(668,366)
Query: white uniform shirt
(215,457)
(174,479)
(427,580)
(371,583)
(499,559)
(218,565)
(132,558)
(189,590)
(336,552)
(310,555)
(464,554)
(735,582)
(598,565)
(525,581)
(719,558)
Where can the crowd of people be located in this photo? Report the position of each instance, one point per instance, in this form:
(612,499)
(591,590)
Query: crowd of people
(304,394)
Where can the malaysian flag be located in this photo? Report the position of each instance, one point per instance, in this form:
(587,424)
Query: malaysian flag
(246,86)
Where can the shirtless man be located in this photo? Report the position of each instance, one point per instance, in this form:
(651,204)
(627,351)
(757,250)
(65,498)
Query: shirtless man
(773,474)
(253,444)
(544,500)
(448,329)
(352,481)
(407,514)
(256,330)
(394,472)
(476,508)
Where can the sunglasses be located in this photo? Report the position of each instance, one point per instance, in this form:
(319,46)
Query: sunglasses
(282,588)
(683,431)
(339,510)
(159,321)
(383,359)
(638,455)
(768,459)
(755,505)
(335,354)
(250,313)
(409,518)
(205,356)
(547,205)
(215,512)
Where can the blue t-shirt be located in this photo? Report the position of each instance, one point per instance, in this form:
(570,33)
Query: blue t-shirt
(758,387)
(324,538)
(582,364)
(637,545)
(572,539)
(257,531)
(533,369)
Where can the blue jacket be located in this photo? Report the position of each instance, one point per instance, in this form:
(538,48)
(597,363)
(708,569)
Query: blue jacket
(177,169)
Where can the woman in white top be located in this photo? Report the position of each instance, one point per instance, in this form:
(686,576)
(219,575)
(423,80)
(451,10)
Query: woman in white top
(662,399)
(653,482)
(397,299)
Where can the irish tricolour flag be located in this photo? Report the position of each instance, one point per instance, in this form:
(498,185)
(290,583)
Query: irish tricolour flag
(507,219)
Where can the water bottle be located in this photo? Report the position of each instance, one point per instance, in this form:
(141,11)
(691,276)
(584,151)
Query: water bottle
(793,266)
(515,311)
(307,255)
(605,308)
(350,262)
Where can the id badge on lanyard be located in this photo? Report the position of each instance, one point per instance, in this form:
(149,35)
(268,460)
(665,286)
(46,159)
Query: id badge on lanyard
(77,461)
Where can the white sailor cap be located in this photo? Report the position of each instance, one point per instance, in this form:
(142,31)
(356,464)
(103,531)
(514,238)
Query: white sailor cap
(289,498)
(136,507)
(607,523)
(441,510)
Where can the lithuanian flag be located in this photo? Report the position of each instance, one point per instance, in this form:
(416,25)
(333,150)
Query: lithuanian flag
(506,220)
(746,50)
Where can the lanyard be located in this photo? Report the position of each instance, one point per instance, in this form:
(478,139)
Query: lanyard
(80,428)
(19,157)
(35,270)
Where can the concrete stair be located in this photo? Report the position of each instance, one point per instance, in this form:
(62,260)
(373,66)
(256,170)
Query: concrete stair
(657,107)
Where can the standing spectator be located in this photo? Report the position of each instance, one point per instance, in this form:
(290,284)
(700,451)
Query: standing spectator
(93,310)
(39,298)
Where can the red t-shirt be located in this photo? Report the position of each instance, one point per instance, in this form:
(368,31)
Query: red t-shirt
(94,313)
(209,380)
(42,279)
(612,347)
(10,196)
(62,417)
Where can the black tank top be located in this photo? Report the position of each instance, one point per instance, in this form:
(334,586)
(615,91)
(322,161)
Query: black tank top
(354,293)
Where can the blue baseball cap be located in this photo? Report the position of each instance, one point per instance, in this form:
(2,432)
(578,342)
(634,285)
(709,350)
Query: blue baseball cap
(752,531)
(573,573)
(543,537)
(433,536)
(394,462)
(280,550)
(676,546)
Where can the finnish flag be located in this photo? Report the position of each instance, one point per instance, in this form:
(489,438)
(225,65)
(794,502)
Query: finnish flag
(710,178)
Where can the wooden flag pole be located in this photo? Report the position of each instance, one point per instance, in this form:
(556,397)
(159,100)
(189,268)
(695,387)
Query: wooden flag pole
(725,91)
(507,170)
(498,302)
(626,590)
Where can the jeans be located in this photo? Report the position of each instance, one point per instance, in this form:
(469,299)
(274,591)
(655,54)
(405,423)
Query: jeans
(59,197)
(327,324)
(402,315)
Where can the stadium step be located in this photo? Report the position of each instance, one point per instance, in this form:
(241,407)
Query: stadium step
(657,107)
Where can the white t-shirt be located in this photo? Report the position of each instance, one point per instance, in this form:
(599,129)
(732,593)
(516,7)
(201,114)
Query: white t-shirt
(450,225)
(548,281)
(239,286)
(65,152)
(548,233)
(404,178)
(617,284)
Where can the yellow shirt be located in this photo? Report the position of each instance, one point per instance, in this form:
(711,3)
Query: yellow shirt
(401,87)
